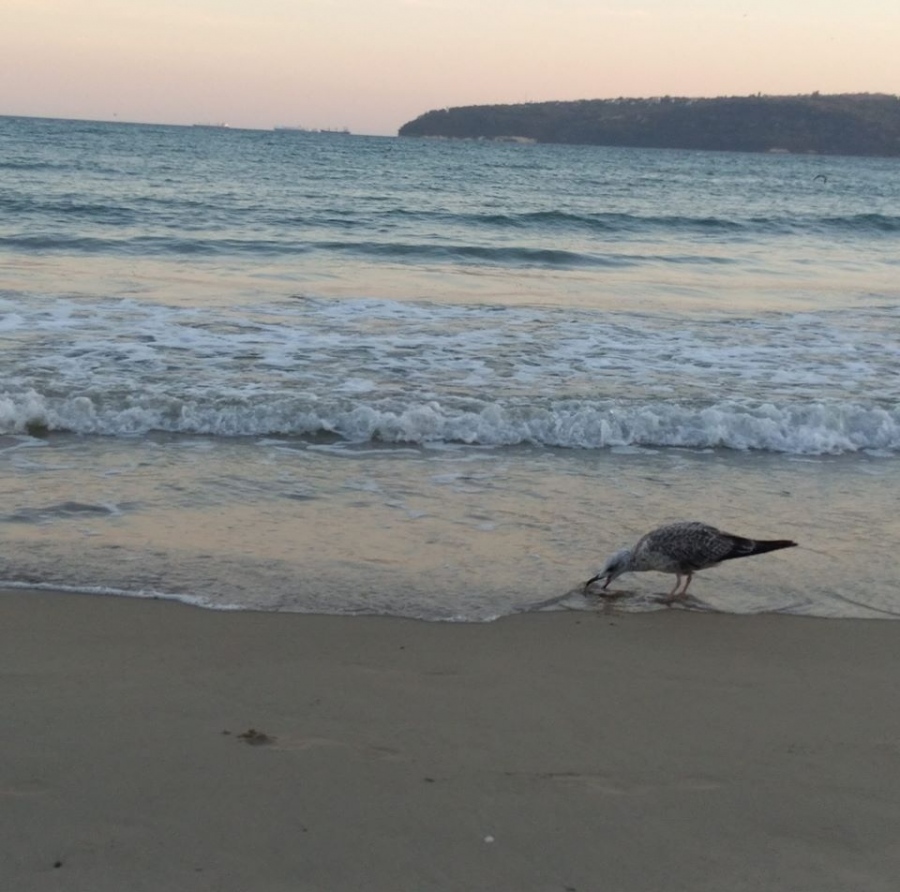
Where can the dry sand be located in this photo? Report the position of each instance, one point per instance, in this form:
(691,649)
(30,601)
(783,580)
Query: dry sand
(670,751)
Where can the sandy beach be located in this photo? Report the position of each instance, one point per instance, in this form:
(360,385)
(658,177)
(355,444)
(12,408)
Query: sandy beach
(152,746)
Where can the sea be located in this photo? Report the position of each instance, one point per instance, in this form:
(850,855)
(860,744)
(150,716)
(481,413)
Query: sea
(328,373)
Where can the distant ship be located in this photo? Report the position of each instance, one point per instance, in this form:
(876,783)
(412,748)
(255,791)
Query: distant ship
(218,126)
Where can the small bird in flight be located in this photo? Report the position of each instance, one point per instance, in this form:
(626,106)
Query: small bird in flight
(683,549)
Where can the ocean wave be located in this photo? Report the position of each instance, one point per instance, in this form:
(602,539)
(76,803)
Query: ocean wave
(805,429)
(152,246)
(558,239)
(21,164)
(613,223)
(865,222)
(478,255)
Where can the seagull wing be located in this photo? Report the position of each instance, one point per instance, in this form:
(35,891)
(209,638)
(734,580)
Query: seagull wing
(696,545)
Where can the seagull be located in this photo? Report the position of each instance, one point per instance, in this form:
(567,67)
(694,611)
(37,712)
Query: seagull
(682,549)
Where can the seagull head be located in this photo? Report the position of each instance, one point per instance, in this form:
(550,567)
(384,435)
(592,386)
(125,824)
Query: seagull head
(615,566)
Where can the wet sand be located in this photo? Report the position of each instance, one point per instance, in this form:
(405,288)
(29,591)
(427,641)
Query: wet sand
(152,746)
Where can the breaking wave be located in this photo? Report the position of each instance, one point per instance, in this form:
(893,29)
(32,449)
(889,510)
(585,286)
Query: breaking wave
(805,429)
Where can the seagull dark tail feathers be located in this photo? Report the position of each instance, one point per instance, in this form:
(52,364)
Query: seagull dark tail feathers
(748,547)
(772,545)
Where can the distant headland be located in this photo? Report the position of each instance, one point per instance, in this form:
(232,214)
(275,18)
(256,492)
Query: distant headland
(842,124)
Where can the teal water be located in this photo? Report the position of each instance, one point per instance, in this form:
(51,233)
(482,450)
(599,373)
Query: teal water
(316,372)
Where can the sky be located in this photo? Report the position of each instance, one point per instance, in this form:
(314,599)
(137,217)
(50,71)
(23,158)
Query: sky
(372,65)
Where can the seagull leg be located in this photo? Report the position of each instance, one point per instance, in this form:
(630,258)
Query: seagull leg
(676,595)
(669,598)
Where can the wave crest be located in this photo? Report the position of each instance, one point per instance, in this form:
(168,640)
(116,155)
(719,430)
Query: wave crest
(807,428)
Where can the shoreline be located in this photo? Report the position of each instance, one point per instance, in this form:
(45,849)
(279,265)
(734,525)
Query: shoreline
(154,745)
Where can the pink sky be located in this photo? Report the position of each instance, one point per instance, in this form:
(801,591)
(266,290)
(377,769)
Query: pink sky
(371,65)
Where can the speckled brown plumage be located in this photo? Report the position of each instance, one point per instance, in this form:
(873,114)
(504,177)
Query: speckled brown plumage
(683,549)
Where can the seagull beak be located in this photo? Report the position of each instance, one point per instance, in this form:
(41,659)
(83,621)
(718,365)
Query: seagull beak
(606,577)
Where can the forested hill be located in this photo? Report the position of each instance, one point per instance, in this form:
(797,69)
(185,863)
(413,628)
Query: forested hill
(846,124)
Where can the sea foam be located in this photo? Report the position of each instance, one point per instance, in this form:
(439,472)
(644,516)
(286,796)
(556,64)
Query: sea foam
(810,429)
